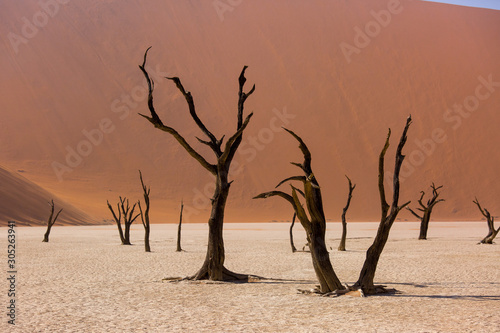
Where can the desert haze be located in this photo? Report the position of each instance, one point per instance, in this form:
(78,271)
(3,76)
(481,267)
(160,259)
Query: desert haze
(71,90)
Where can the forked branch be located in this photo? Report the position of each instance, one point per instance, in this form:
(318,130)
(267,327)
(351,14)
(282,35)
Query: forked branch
(381,171)
(426,209)
(51,221)
(213,266)
(367,274)
(397,169)
(230,149)
(156,121)
(213,143)
(127,212)
(490,220)
(344,212)
(315,223)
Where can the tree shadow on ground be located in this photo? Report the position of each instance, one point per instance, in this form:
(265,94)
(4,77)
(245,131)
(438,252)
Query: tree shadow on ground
(457,297)
(447,285)
(254,279)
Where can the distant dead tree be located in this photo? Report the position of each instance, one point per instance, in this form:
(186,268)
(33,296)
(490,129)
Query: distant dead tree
(128,218)
(291,233)
(344,211)
(492,233)
(367,274)
(51,221)
(145,215)
(213,266)
(426,210)
(179,249)
(315,225)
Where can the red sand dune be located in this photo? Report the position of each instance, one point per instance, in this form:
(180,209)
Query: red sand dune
(72,85)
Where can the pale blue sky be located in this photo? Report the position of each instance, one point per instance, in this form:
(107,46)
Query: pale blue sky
(494,4)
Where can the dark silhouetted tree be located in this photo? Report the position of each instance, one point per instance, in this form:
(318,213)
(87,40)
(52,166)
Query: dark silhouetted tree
(51,221)
(367,274)
(315,223)
(145,214)
(426,210)
(492,233)
(213,266)
(179,248)
(344,211)
(291,233)
(128,218)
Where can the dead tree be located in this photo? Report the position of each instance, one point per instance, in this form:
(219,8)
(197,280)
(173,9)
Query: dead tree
(315,223)
(426,210)
(213,266)
(179,249)
(492,233)
(145,214)
(367,274)
(291,233)
(128,219)
(51,221)
(344,211)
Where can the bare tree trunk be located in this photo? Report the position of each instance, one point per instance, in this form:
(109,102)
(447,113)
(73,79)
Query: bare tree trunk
(344,236)
(50,222)
(46,235)
(315,225)
(367,274)
(490,237)
(291,233)
(427,210)
(147,247)
(490,220)
(213,266)
(328,280)
(145,216)
(179,249)
(344,211)
(127,234)
(424,225)
(120,232)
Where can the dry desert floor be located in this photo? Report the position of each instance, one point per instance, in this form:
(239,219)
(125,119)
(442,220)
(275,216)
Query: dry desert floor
(85,281)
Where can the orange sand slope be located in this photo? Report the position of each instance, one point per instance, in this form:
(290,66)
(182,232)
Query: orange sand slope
(27,203)
(339,73)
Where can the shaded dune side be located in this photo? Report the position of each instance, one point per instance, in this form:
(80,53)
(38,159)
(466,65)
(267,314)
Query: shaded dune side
(27,203)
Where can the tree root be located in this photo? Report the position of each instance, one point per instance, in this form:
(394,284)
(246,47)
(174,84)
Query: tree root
(227,276)
(379,289)
(335,293)
(352,291)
